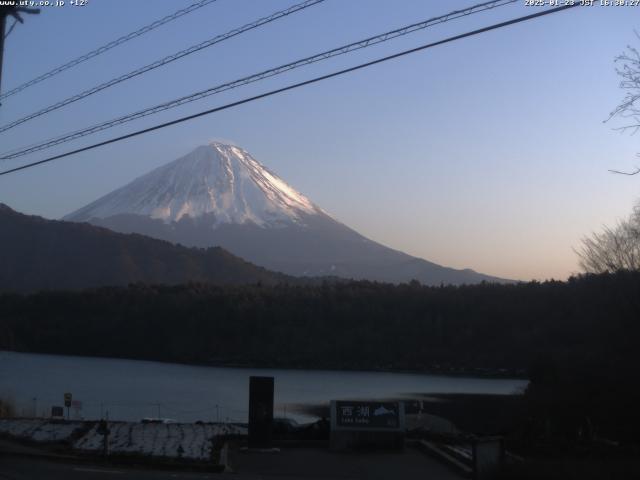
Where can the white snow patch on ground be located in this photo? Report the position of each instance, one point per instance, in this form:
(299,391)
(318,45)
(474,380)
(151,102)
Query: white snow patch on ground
(160,440)
(186,440)
(39,430)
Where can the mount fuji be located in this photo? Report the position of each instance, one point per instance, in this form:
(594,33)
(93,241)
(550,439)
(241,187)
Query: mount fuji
(219,195)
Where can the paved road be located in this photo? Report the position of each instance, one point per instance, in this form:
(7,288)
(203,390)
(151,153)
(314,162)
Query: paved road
(321,464)
(24,468)
(289,464)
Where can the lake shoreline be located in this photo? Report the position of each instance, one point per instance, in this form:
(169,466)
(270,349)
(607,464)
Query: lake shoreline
(134,389)
(479,373)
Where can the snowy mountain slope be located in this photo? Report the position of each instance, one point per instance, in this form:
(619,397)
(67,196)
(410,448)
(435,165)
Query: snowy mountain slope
(220,195)
(223,180)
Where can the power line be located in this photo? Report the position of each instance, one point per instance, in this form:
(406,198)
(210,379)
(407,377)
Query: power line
(367,42)
(164,61)
(294,86)
(100,50)
(13,25)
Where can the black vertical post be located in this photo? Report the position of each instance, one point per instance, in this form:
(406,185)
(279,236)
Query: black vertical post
(3,16)
(15,12)
(103,429)
(260,411)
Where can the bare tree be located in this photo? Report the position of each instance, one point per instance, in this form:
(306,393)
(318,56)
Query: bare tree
(628,69)
(618,248)
(613,249)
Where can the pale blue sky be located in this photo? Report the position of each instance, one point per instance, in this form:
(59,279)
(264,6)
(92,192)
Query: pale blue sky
(488,153)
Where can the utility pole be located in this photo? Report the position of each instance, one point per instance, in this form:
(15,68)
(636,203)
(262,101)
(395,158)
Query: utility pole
(4,12)
(10,11)
(103,429)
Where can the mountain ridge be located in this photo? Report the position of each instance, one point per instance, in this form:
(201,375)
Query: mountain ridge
(42,254)
(220,195)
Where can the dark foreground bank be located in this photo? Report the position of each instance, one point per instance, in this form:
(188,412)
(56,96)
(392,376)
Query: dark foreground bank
(577,340)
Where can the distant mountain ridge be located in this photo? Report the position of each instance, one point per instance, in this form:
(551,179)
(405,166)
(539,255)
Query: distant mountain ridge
(40,254)
(220,195)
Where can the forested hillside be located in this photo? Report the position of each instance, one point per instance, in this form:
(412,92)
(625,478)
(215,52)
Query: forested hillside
(40,254)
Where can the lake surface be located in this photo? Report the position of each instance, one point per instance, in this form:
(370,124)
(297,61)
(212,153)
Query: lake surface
(133,389)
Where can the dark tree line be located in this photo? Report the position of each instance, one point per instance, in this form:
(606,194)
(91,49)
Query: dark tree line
(345,325)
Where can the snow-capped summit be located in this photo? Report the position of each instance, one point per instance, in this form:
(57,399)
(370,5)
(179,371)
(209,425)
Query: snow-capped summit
(219,179)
